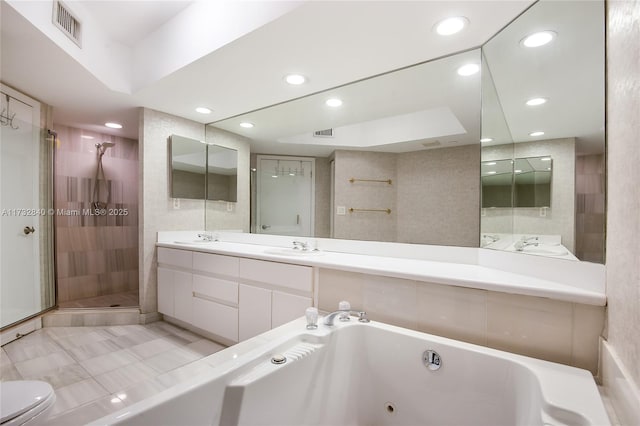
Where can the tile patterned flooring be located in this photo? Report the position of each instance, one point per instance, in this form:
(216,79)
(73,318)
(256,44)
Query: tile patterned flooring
(98,370)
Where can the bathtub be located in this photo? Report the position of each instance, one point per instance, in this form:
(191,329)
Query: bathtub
(372,374)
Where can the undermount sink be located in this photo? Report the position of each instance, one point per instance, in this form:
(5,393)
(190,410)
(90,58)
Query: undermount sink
(292,252)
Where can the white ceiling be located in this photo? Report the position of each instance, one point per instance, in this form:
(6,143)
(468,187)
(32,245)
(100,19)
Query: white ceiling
(174,56)
(332,43)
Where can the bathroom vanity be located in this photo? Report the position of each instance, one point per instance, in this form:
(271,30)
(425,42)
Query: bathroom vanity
(233,298)
(245,284)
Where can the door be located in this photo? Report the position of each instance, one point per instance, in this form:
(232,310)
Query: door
(19,208)
(285,195)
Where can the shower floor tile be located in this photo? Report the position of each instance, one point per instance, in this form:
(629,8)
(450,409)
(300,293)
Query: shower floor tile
(93,369)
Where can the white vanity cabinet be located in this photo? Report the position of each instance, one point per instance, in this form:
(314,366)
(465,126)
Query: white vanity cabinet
(230,297)
(271,294)
(175,284)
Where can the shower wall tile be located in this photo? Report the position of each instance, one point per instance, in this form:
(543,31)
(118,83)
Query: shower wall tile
(96,254)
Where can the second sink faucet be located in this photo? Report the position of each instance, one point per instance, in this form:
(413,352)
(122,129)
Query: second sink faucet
(208,236)
(300,245)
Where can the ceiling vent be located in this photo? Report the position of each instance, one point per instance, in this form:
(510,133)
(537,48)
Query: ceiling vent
(327,133)
(67,22)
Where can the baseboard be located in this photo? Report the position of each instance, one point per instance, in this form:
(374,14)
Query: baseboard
(150,317)
(619,386)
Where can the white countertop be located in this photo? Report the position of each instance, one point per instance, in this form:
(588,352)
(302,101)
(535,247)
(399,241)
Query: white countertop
(440,272)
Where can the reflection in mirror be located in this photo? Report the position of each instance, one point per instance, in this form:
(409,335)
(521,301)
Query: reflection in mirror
(532,182)
(418,127)
(552,100)
(285,201)
(525,182)
(188,165)
(222,173)
(497,183)
(201,170)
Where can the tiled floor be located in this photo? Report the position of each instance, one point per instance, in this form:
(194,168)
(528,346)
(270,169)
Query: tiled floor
(99,370)
(123,299)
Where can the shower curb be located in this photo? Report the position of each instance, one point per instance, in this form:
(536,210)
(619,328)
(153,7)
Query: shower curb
(91,317)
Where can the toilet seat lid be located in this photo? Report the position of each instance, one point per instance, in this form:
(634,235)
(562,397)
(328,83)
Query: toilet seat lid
(17,397)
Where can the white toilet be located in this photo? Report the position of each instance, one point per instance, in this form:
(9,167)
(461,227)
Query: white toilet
(25,402)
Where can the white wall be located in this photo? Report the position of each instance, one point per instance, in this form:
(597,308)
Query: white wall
(623,217)
(433,199)
(439,195)
(156,212)
(376,226)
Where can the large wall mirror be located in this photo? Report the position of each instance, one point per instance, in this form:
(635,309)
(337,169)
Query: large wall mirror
(398,156)
(543,131)
(203,171)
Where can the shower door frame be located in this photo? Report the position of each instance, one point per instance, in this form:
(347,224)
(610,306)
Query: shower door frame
(38,138)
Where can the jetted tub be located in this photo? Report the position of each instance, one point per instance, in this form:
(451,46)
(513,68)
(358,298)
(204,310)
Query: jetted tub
(372,374)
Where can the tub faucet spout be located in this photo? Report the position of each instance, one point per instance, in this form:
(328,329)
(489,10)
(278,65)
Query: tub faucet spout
(329,319)
(344,316)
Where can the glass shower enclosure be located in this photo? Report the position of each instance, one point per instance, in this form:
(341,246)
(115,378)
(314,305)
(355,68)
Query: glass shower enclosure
(27,284)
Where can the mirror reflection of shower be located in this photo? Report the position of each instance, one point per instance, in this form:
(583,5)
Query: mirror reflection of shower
(96,201)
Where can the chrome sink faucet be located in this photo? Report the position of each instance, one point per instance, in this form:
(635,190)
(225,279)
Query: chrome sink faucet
(300,245)
(526,242)
(207,236)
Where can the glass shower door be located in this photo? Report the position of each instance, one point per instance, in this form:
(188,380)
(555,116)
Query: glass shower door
(21,216)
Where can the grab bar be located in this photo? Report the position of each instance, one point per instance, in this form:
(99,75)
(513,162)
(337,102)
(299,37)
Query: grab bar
(352,210)
(389,181)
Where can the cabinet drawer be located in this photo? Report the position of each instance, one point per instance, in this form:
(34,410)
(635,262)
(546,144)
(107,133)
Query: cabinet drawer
(174,257)
(216,263)
(216,288)
(215,318)
(296,277)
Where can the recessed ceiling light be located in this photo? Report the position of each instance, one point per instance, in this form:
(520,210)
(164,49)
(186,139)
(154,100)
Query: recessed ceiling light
(295,79)
(246,125)
(451,26)
(538,39)
(484,140)
(536,101)
(113,125)
(469,69)
(203,110)
(333,102)
(536,133)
